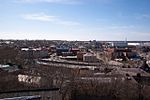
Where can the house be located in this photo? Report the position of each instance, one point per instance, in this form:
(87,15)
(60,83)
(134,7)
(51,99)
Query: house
(89,57)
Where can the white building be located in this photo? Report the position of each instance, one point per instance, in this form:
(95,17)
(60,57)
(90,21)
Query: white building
(133,44)
(89,57)
(29,79)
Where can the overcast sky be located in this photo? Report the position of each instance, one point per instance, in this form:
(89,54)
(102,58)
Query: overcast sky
(75,19)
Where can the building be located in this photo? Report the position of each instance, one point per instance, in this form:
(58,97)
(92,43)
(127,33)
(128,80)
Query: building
(29,79)
(82,48)
(89,57)
(59,51)
(119,44)
(9,67)
(68,57)
(80,56)
(33,53)
(52,49)
(74,51)
(64,54)
(147,44)
(125,54)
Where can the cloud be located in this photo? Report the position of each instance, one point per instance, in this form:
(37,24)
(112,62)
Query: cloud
(70,23)
(39,17)
(116,27)
(51,1)
(143,16)
(121,27)
(47,18)
(65,1)
(105,1)
(147,34)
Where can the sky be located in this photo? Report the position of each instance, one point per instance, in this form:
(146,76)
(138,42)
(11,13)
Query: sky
(75,19)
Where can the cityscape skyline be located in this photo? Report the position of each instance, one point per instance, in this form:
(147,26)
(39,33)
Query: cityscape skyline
(75,19)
